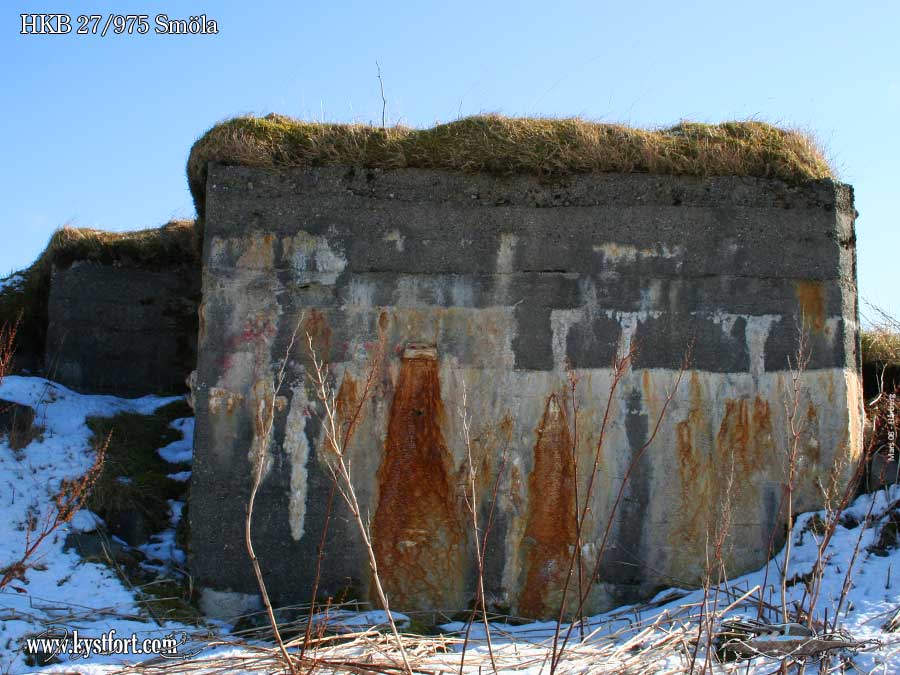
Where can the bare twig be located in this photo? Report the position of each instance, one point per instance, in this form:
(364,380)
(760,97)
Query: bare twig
(619,368)
(635,460)
(471,499)
(796,429)
(264,419)
(337,445)
(573,379)
(69,498)
(320,554)
(383,99)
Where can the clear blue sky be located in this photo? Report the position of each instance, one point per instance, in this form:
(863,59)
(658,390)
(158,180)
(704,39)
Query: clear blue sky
(98,129)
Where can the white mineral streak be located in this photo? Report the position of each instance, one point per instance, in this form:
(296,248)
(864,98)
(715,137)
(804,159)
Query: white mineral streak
(506,252)
(561,320)
(615,253)
(629,323)
(756,333)
(407,292)
(263,409)
(461,292)
(313,259)
(505,257)
(296,448)
(724,320)
(361,294)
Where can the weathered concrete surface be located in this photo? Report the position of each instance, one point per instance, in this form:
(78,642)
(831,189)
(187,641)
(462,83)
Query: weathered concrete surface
(490,286)
(122,330)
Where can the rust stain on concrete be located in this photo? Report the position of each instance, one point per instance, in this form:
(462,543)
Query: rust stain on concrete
(222,400)
(550,533)
(811,296)
(762,429)
(733,439)
(688,430)
(346,403)
(201,322)
(813,451)
(742,443)
(515,487)
(316,326)
(745,436)
(418,534)
(258,252)
(693,438)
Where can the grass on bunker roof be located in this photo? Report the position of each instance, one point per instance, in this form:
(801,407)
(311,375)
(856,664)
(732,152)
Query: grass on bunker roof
(504,145)
(881,346)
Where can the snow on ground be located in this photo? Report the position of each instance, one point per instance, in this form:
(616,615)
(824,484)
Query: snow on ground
(873,596)
(90,597)
(162,547)
(83,595)
(12,281)
(182,450)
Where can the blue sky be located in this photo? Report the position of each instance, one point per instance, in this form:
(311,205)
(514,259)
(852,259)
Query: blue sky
(98,129)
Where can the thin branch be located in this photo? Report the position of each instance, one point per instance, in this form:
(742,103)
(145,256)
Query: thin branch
(635,460)
(340,467)
(383,99)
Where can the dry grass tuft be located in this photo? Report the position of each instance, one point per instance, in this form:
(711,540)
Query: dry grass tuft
(881,346)
(503,145)
(156,247)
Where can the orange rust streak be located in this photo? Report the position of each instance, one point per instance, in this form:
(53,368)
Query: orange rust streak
(734,436)
(694,472)
(762,431)
(813,451)
(316,326)
(550,533)
(811,296)
(346,402)
(417,530)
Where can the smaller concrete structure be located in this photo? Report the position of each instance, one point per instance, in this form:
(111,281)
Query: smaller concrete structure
(122,330)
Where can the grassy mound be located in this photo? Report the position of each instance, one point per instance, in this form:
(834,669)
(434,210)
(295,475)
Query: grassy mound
(881,347)
(26,293)
(880,351)
(495,144)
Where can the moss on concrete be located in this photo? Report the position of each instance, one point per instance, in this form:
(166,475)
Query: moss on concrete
(495,144)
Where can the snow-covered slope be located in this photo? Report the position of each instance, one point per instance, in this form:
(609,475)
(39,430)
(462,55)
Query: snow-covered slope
(61,590)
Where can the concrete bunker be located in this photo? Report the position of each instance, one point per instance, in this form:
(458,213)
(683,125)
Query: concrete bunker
(501,285)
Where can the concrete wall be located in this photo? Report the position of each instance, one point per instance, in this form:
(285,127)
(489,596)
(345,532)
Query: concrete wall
(490,286)
(122,330)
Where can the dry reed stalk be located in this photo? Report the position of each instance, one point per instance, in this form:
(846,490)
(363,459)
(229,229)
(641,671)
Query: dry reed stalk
(337,444)
(636,458)
(796,428)
(573,380)
(619,368)
(471,498)
(265,422)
